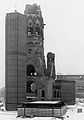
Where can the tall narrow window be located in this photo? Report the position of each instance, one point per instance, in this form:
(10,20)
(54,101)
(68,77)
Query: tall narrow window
(58,94)
(43,93)
(54,94)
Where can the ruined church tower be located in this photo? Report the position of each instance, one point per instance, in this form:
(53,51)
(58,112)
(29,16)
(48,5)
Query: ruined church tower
(34,40)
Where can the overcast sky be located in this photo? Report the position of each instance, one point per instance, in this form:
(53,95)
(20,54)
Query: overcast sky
(64,32)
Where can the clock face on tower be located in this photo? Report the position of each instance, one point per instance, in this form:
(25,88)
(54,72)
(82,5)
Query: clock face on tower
(33,51)
(29,50)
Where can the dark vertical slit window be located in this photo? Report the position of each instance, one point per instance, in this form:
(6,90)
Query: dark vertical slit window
(43,93)
(58,94)
(55,94)
(29,86)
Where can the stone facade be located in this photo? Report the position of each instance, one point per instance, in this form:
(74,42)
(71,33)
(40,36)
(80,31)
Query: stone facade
(28,78)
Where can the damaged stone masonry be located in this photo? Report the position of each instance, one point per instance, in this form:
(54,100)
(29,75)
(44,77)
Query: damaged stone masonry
(28,78)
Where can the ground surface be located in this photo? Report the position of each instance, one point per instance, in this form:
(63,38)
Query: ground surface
(75,112)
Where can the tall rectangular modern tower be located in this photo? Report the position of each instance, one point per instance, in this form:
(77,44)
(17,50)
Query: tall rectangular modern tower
(15,60)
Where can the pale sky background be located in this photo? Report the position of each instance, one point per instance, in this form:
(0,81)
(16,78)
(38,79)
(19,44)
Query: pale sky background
(64,32)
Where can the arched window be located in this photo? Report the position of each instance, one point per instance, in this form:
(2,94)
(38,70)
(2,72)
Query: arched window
(43,93)
(31,70)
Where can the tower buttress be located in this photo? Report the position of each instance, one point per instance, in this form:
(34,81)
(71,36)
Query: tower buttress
(51,65)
